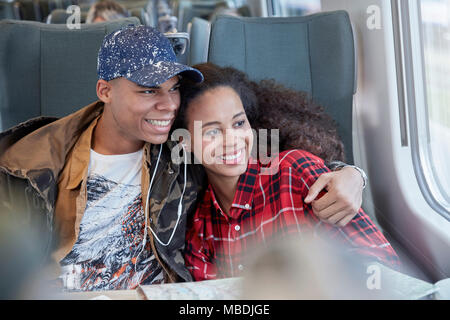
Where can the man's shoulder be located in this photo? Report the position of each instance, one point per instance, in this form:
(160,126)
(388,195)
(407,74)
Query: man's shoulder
(56,136)
(23,129)
(19,131)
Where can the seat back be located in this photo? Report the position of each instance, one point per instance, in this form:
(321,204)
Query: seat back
(60,16)
(138,13)
(134,4)
(47,69)
(199,35)
(188,10)
(9,10)
(312,53)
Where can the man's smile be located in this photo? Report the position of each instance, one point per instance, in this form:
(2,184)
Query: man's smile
(159,123)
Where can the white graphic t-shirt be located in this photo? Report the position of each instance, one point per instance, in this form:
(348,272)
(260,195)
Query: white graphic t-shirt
(108,253)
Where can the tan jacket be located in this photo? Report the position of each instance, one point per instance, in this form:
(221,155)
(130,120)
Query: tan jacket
(51,162)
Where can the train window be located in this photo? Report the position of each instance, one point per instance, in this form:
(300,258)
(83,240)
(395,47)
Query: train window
(436,45)
(428,99)
(289,8)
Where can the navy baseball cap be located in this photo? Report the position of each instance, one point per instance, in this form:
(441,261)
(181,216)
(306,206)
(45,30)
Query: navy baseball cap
(142,55)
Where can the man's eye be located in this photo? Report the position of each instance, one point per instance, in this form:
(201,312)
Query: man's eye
(149,91)
(176,88)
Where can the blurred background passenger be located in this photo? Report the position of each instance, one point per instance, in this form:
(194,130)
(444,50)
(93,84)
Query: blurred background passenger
(106,10)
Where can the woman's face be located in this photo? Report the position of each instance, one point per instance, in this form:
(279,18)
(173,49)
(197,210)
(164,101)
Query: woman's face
(221,135)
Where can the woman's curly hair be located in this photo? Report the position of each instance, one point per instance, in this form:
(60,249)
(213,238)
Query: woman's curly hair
(302,123)
(215,77)
(268,105)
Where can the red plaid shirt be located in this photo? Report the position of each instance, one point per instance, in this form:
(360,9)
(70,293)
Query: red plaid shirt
(267,207)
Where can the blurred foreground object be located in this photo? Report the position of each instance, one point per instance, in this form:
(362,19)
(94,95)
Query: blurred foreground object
(307,269)
(21,256)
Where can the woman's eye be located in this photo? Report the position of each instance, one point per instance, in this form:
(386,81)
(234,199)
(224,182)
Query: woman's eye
(212,132)
(239,124)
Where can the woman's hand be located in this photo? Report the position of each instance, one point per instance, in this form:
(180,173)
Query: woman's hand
(343,199)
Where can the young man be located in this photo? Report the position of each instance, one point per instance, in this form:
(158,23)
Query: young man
(100,184)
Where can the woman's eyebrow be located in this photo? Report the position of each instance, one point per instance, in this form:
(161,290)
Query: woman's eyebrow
(217,122)
(210,123)
(239,114)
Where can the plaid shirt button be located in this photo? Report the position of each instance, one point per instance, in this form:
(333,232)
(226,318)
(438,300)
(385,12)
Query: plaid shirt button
(247,206)
(237,227)
(241,267)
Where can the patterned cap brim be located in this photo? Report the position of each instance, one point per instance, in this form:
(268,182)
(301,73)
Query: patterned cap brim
(156,74)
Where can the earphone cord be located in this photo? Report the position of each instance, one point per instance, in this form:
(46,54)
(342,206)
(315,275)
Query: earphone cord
(144,240)
(179,212)
(180,205)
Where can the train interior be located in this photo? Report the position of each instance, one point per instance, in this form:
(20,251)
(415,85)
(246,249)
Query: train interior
(380,68)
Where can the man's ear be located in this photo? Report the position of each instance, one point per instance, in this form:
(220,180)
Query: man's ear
(104,90)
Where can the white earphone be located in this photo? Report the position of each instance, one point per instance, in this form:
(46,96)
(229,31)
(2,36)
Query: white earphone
(179,211)
(180,204)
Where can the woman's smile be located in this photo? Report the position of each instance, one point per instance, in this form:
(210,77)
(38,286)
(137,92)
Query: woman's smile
(233,158)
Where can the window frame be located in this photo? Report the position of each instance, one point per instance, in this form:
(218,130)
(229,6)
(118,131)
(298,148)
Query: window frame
(411,71)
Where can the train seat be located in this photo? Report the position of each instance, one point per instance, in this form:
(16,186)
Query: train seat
(199,32)
(187,10)
(60,16)
(48,69)
(315,54)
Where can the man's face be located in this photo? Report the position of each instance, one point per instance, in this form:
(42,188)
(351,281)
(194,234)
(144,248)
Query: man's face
(143,113)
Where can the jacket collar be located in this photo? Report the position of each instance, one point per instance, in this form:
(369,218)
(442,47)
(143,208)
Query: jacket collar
(79,161)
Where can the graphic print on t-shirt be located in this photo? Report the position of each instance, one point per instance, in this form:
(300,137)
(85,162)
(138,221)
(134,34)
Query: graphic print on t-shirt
(110,239)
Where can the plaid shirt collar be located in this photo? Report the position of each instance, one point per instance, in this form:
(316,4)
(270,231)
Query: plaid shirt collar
(243,198)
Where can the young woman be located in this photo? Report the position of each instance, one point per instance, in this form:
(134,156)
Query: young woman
(246,204)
